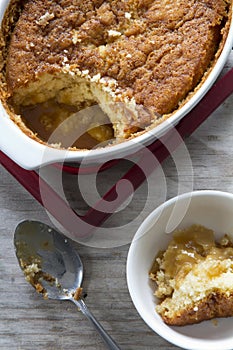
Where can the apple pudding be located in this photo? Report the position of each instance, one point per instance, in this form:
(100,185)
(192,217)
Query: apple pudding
(138,61)
(194,277)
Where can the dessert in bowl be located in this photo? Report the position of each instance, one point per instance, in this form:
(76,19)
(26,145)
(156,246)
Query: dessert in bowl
(117,73)
(187,298)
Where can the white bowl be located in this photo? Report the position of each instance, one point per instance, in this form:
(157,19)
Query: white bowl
(212,209)
(30,154)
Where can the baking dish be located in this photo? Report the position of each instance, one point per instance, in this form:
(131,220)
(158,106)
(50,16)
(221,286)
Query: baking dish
(31,154)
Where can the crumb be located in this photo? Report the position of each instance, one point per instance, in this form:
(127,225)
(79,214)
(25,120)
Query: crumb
(114,33)
(44,19)
(214,322)
(77,294)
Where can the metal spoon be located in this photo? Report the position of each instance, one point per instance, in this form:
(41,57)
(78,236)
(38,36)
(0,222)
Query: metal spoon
(52,265)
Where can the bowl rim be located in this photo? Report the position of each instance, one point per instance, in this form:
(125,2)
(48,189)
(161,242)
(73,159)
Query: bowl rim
(167,332)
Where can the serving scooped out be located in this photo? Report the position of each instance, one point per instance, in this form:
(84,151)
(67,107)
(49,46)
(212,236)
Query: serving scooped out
(194,277)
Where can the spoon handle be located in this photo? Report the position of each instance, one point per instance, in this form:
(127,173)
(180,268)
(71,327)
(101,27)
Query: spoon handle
(105,336)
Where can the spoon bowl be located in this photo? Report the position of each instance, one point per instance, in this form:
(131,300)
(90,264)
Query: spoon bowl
(53,267)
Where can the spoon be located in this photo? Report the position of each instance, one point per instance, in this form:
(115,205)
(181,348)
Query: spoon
(53,267)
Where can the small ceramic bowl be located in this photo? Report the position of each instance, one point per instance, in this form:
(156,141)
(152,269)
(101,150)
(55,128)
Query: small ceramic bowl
(212,209)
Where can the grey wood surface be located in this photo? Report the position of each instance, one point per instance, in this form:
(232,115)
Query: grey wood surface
(28,322)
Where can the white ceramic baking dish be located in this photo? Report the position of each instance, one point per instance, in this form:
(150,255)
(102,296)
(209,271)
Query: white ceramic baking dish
(31,154)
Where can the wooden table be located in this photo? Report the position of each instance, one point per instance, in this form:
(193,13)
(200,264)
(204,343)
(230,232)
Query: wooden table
(28,322)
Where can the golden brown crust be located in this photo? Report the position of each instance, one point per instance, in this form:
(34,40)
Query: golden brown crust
(215,305)
(8,23)
(157,51)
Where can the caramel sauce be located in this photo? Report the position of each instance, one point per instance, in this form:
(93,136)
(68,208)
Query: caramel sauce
(189,247)
(46,117)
